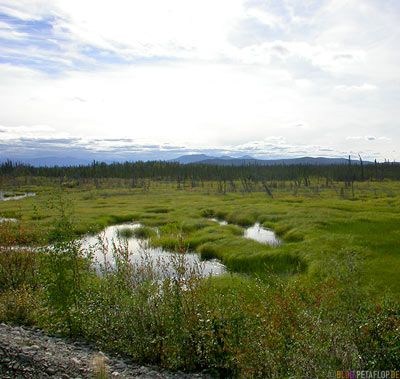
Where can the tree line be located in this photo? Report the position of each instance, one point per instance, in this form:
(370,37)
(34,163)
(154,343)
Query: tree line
(172,171)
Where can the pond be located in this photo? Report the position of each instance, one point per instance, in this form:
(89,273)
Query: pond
(137,248)
(263,235)
(257,233)
(8,195)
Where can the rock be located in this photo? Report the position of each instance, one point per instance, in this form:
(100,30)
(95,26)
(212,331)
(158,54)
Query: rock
(25,357)
(120,365)
(50,370)
(30,353)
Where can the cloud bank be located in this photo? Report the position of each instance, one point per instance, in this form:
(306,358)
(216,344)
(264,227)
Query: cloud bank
(227,76)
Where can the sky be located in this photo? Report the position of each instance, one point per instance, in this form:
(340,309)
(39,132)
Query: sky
(156,79)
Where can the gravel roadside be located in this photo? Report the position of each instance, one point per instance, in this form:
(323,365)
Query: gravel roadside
(31,353)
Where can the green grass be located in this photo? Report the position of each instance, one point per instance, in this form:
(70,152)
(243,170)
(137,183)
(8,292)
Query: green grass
(321,301)
(314,226)
(14,194)
(143,232)
(125,233)
(229,326)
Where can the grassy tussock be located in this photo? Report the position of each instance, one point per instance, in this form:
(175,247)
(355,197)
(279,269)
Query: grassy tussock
(240,219)
(143,232)
(125,233)
(157,210)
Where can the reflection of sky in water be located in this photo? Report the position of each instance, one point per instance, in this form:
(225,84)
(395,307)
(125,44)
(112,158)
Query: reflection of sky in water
(2,198)
(137,248)
(263,235)
(221,222)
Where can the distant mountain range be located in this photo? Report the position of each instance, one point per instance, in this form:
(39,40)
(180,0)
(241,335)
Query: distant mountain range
(202,158)
(188,159)
(248,160)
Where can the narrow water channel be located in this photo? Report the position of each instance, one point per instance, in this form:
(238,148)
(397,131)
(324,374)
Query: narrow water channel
(8,219)
(7,195)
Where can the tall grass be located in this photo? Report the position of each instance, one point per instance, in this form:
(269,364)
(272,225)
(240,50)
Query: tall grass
(314,224)
(167,313)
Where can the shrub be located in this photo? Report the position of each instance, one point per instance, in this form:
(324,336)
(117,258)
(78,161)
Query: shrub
(20,306)
(17,267)
(65,271)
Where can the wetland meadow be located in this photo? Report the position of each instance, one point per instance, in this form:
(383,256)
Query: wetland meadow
(292,283)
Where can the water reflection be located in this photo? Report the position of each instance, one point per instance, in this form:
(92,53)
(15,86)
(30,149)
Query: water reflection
(263,235)
(8,219)
(139,248)
(6,195)
(221,222)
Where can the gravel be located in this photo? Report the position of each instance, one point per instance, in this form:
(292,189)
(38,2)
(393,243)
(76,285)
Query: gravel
(31,353)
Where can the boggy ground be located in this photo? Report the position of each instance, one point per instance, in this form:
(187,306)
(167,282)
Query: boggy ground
(317,222)
(323,300)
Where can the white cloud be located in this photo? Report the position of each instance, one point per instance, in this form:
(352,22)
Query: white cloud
(385,139)
(354,138)
(23,10)
(312,72)
(266,18)
(153,28)
(369,138)
(355,88)
(8,33)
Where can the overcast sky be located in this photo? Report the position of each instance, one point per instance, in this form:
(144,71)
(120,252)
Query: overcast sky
(162,78)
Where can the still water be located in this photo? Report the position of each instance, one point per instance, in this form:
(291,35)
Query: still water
(137,248)
(6,196)
(263,235)
(257,233)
